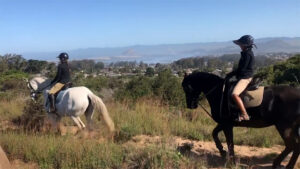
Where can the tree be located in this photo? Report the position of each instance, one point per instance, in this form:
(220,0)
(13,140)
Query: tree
(99,65)
(150,72)
(12,62)
(287,72)
(35,66)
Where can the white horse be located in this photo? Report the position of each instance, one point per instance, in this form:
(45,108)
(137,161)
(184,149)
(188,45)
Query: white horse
(72,102)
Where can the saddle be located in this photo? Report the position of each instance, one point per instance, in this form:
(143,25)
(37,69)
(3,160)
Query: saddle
(252,96)
(48,103)
(66,86)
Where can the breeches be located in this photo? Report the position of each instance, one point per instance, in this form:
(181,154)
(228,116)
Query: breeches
(56,88)
(241,86)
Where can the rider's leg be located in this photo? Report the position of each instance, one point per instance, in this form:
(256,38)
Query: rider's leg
(53,91)
(239,102)
(238,89)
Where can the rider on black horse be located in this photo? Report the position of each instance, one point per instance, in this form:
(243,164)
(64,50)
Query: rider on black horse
(61,79)
(244,72)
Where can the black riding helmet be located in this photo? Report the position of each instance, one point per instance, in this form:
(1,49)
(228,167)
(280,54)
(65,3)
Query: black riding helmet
(246,40)
(63,56)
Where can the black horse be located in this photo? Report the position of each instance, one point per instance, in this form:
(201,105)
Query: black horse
(280,107)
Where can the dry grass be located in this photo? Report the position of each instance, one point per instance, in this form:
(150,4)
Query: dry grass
(12,108)
(147,117)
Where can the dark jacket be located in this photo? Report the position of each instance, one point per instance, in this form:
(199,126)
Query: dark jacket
(245,68)
(63,74)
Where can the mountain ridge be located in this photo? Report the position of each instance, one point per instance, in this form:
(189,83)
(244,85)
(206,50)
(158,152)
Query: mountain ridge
(170,52)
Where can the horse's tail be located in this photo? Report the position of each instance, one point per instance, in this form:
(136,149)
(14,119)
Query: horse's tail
(98,103)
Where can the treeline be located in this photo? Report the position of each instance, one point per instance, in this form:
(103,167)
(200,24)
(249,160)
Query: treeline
(286,72)
(209,63)
(159,81)
(88,66)
(16,62)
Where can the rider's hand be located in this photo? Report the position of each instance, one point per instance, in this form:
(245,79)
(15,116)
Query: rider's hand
(230,75)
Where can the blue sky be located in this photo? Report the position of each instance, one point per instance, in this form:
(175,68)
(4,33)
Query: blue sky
(54,25)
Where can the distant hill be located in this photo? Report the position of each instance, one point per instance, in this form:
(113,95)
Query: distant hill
(169,52)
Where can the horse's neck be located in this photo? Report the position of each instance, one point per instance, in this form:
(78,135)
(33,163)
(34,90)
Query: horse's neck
(213,95)
(41,83)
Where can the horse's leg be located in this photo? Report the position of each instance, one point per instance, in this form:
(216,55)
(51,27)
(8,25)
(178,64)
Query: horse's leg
(281,157)
(76,122)
(89,115)
(60,127)
(53,120)
(296,148)
(215,133)
(282,129)
(228,131)
(82,124)
(294,157)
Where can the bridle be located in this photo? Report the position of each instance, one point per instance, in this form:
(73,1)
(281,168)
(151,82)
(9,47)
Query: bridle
(33,92)
(206,94)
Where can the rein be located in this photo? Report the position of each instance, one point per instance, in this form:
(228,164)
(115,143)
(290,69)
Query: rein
(206,94)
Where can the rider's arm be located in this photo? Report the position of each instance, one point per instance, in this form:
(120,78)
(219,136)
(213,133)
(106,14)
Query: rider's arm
(244,62)
(58,75)
(229,75)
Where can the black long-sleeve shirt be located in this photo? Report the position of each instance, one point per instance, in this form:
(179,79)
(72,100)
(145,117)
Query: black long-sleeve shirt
(63,74)
(245,68)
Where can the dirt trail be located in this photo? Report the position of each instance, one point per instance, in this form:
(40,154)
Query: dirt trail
(247,156)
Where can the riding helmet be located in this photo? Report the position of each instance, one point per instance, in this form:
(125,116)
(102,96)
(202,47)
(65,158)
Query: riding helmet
(63,56)
(246,40)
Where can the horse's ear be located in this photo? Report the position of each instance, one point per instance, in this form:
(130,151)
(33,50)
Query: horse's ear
(187,72)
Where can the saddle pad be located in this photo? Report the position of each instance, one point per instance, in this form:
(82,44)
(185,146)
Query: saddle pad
(253,98)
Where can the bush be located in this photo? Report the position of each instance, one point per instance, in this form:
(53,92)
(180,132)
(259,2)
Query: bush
(168,88)
(165,86)
(33,117)
(136,88)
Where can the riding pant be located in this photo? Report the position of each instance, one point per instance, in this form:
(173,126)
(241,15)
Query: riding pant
(56,88)
(241,86)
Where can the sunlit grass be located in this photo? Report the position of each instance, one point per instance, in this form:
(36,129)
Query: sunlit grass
(146,116)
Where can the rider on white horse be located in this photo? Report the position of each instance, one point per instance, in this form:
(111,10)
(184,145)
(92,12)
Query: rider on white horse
(61,79)
(73,102)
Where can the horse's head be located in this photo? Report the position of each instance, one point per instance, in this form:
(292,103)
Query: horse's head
(37,85)
(196,83)
(191,94)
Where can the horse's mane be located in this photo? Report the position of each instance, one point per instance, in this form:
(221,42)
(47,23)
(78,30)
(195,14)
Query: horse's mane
(204,75)
(39,81)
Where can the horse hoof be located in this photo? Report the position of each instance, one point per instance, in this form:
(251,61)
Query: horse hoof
(223,154)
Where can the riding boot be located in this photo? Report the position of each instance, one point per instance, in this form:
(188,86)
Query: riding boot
(240,104)
(52,103)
